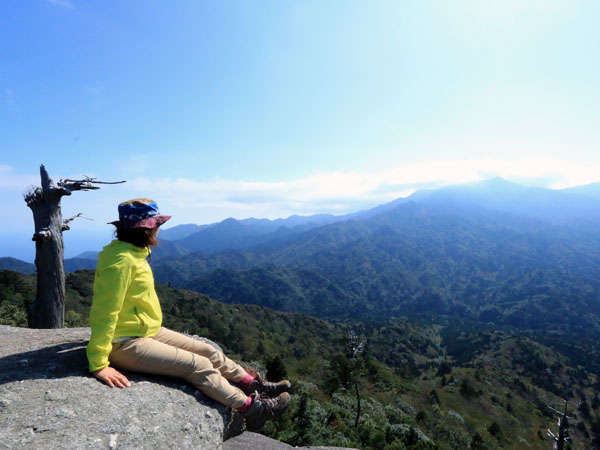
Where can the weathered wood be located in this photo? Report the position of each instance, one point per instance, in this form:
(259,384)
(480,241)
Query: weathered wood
(357,393)
(354,347)
(48,309)
(563,429)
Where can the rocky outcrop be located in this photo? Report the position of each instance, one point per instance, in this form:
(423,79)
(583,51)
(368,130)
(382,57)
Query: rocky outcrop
(49,400)
(255,441)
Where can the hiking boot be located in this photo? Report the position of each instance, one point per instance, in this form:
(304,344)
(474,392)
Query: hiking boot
(263,409)
(266,388)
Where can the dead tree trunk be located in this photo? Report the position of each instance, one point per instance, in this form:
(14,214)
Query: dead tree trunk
(563,429)
(357,392)
(354,347)
(48,309)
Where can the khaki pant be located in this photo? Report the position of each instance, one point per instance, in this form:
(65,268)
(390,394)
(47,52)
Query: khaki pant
(174,354)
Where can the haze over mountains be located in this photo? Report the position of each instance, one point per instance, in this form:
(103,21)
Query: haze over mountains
(492,251)
(566,206)
(488,251)
(575,206)
(572,207)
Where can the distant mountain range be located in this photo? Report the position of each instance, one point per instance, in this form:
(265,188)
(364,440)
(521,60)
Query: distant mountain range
(492,251)
(71,265)
(464,261)
(8,263)
(566,206)
(572,206)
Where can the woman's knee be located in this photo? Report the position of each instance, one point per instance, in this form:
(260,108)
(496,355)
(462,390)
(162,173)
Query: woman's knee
(218,357)
(201,372)
(199,364)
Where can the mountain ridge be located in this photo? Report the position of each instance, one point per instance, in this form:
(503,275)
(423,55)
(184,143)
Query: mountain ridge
(552,205)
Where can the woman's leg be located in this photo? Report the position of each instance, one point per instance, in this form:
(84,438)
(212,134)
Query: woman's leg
(228,368)
(152,356)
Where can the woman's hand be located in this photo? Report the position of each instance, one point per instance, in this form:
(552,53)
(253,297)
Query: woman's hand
(112,377)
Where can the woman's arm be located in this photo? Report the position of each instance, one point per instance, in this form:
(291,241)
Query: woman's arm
(110,286)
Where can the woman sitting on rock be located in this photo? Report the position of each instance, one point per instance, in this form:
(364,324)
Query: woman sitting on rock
(126,327)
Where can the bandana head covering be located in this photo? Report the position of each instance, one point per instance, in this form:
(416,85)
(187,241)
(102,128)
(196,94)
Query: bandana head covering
(139,213)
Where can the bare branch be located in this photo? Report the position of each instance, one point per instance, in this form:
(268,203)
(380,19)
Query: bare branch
(355,344)
(558,412)
(86,184)
(62,187)
(70,219)
(92,180)
(66,227)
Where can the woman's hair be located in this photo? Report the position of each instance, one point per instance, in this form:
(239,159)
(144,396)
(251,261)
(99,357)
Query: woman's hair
(142,237)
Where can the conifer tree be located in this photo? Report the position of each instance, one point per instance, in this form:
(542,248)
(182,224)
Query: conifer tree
(276,370)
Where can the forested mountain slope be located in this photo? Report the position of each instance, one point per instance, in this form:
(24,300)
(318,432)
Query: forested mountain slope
(459,260)
(240,234)
(423,385)
(575,207)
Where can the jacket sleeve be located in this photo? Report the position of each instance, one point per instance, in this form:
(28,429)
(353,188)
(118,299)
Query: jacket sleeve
(110,287)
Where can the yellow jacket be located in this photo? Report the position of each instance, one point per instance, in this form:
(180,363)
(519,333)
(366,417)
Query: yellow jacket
(124,302)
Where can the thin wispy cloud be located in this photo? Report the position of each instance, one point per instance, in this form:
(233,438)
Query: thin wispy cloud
(342,192)
(205,201)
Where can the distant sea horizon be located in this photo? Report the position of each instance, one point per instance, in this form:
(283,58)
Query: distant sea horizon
(18,244)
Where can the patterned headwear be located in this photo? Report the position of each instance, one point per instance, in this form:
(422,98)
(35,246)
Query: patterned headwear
(139,213)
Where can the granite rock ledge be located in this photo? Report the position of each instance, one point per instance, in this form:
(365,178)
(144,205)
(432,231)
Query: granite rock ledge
(48,400)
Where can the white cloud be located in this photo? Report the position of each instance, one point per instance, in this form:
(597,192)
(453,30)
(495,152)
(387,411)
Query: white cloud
(342,192)
(205,201)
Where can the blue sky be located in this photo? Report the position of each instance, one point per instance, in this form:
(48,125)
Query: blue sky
(265,109)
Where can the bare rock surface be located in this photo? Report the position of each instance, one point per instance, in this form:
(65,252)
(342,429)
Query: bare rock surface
(255,441)
(49,400)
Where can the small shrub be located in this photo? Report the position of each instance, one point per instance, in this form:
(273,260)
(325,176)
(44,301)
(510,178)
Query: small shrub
(477,442)
(421,416)
(494,429)
(275,369)
(467,389)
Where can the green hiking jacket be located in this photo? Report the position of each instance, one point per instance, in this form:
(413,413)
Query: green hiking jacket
(124,302)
